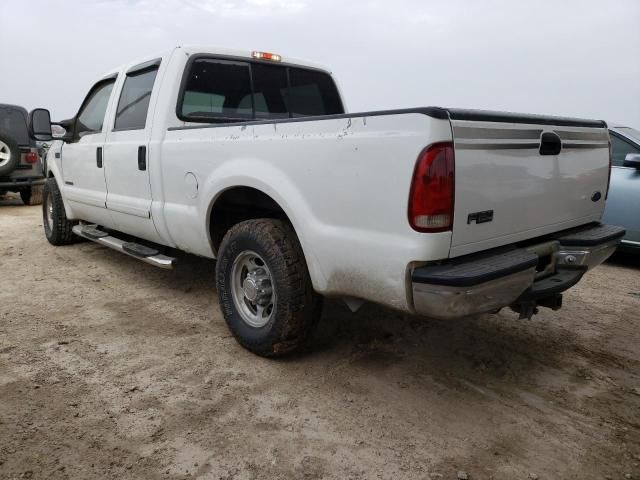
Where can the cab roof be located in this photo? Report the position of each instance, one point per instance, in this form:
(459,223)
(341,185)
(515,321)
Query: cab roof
(212,50)
(248,54)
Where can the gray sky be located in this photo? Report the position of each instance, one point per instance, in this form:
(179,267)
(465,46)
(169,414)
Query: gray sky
(578,58)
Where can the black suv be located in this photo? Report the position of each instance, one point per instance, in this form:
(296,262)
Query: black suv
(21,168)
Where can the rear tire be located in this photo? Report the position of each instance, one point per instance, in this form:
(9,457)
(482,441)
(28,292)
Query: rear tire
(264,288)
(32,195)
(57,228)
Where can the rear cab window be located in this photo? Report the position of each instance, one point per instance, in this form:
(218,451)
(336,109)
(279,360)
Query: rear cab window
(217,90)
(312,93)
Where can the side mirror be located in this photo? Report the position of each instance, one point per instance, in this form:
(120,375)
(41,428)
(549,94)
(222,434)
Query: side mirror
(632,160)
(64,130)
(40,124)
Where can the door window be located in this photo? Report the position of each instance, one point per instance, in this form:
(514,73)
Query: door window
(133,105)
(620,149)
(91,116)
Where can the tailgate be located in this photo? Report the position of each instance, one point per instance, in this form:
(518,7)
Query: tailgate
(519,177)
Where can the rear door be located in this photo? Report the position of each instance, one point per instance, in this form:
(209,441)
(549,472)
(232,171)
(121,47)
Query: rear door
(82,159)
(519,178)
(127,153)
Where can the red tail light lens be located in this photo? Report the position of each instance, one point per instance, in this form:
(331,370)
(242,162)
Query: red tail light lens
(31,157)
(432,189)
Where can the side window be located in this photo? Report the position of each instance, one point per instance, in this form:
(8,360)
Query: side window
(133,105)
(620,150)
(91,116)
(313,93)
(217,89)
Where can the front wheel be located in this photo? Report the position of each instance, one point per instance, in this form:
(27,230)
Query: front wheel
(57,227)
(264,288)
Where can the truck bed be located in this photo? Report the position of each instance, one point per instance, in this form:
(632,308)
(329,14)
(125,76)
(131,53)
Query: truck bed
(344,181)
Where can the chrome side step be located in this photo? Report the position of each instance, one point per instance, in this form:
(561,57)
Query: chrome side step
(140,252)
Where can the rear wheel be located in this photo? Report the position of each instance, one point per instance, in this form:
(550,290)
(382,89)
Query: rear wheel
(57,228)
(32,195)
(264,288)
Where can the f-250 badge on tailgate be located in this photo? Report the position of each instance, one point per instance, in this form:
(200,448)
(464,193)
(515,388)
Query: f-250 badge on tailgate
(480,217)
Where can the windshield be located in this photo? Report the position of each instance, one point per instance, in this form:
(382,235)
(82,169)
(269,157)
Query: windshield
(14,123)
(631,132)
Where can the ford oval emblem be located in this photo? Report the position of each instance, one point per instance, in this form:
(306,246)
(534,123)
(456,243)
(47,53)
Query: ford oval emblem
(596,197)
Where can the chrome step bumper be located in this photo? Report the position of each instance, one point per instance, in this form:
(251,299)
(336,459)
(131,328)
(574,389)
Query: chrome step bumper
(140,252)
(489,281)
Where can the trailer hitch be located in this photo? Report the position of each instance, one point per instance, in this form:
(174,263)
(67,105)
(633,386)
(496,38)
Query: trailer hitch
(528,308)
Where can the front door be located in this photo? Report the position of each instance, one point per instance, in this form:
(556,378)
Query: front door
(83,159)
(126,155)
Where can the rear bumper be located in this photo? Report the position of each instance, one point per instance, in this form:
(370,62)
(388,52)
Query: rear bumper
(532,274)
(18,183)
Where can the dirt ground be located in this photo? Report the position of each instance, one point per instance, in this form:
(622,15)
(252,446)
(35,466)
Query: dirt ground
(110,368)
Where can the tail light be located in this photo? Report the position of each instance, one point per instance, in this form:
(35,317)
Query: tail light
(432,189)
(31,157)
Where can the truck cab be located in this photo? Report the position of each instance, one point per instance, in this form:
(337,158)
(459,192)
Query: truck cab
(113,143)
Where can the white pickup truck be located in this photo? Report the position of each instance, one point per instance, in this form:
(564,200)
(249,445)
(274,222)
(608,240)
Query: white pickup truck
(251,158)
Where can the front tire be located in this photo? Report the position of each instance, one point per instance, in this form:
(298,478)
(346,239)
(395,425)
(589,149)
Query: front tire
(57,228)
(264,288)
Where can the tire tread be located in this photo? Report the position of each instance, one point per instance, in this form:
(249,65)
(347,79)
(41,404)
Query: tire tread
(298,305)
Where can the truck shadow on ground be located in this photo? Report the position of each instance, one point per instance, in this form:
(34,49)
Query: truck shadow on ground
(626,260)
(498,346)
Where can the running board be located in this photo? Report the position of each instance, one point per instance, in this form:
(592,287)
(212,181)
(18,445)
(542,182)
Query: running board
(135,250)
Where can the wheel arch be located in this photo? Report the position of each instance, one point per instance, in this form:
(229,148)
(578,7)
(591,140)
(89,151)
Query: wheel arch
(241,202)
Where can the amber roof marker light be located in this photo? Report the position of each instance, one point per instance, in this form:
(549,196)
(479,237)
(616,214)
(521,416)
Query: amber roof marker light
(267,56)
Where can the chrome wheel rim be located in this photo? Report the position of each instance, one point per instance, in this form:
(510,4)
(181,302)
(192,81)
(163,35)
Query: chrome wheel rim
(252,289)
(49,211)
(5,154)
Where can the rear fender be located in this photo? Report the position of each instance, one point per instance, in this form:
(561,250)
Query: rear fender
(234,174)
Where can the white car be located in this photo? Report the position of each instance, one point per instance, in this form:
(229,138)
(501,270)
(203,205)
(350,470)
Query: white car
(251,158)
